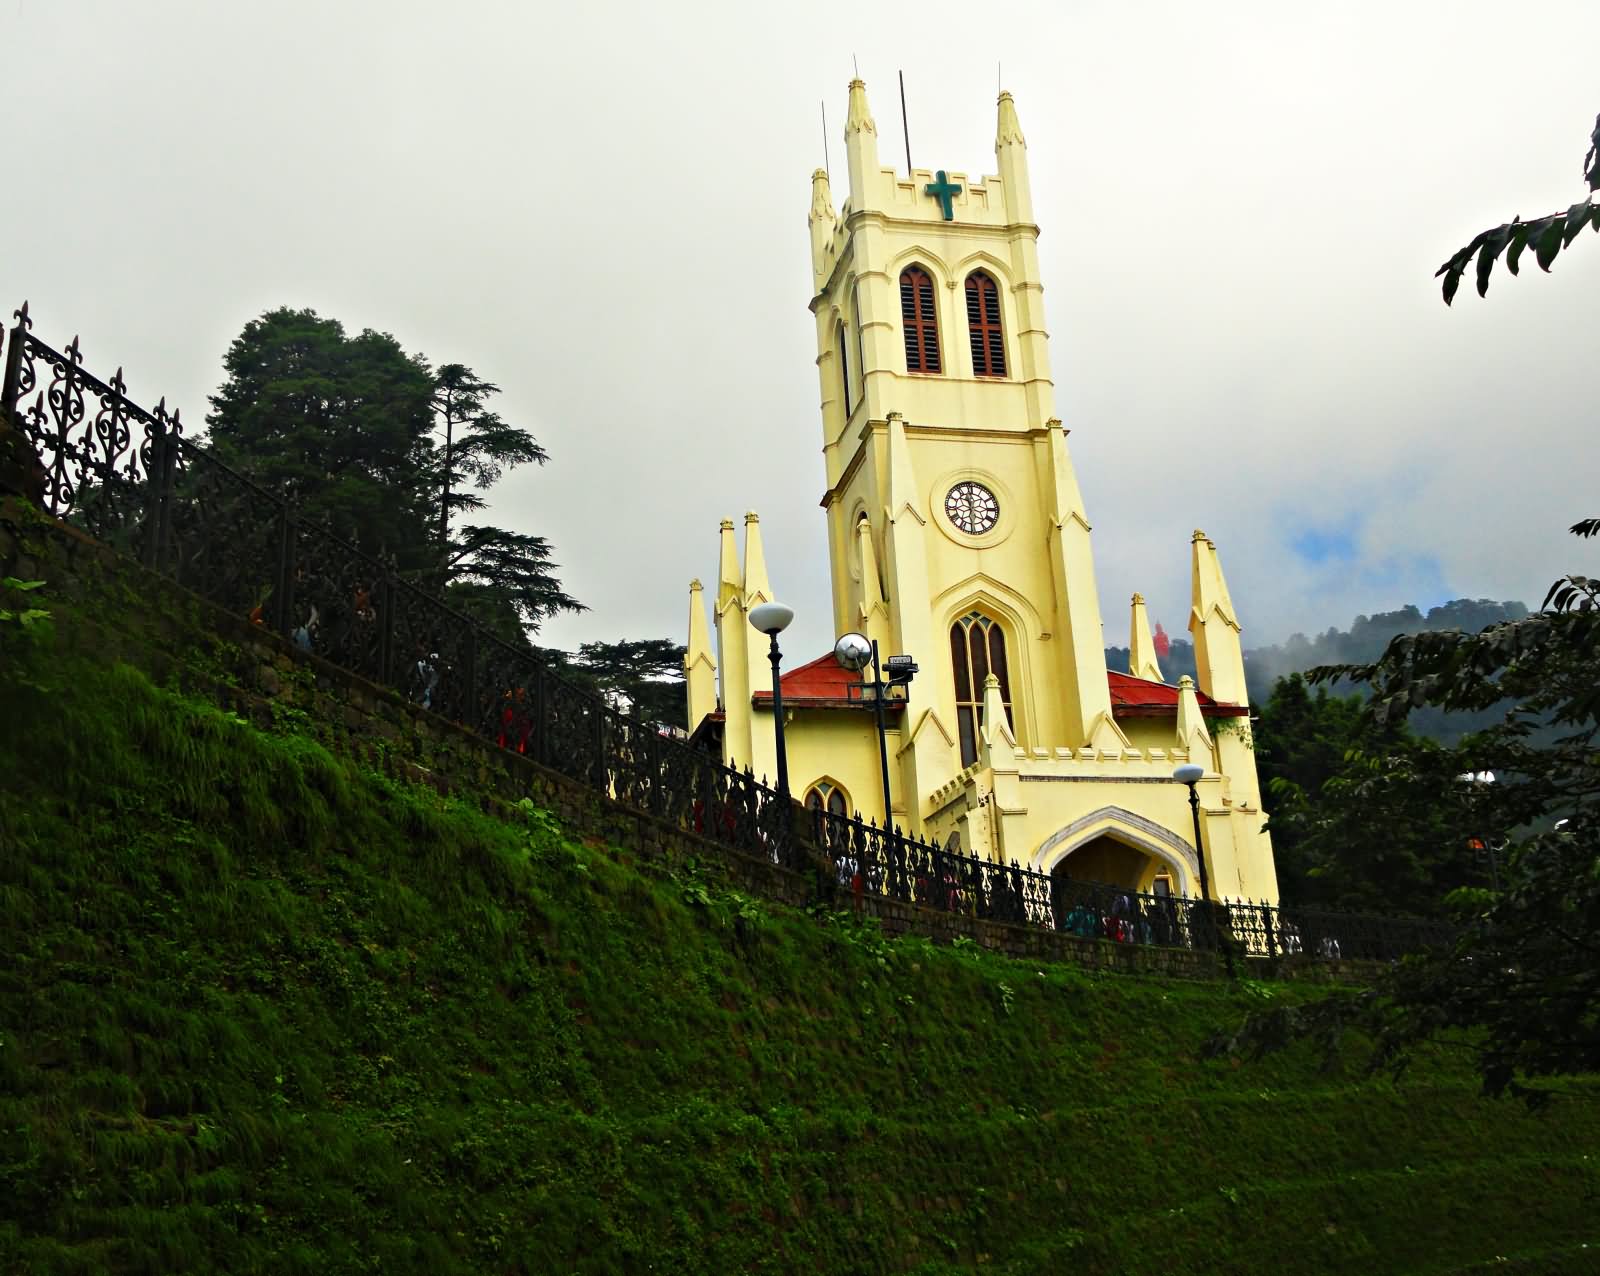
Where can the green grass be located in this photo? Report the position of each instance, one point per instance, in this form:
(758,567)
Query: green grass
(262,1010)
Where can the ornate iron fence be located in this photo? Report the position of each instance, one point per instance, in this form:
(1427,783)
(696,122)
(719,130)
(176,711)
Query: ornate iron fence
(130,478)
(1098,911)
(877,861)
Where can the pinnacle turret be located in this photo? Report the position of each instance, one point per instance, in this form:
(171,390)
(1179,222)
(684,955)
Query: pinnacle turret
(1011,150)
(1191,725)
(730,580)
(757,588)
(1141,645)
(1008,130)
(859,119)
(699,666)
(822,220)
(861,151)
(1218,655)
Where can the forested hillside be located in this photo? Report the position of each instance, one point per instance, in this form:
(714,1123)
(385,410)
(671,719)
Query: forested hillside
(264,1010)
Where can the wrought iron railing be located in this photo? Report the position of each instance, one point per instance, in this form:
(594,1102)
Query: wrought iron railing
(130,478)
(1095,910)
(876,861)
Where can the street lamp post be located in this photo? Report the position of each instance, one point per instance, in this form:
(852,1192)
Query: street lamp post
(1190,773)
(772,619)
(854,652)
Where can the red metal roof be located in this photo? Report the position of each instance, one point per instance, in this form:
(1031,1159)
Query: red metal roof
(1140,698)
(821,684)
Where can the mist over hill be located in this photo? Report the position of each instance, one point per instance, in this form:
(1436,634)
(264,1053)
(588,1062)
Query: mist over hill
(1364,641)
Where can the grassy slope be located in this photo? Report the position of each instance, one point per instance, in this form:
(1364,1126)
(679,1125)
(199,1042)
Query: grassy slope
(263,1012)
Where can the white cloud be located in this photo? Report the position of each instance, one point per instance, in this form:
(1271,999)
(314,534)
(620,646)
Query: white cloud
(602,208)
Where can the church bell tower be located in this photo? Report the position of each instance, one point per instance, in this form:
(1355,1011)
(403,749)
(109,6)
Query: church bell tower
(956,530)
(957,536)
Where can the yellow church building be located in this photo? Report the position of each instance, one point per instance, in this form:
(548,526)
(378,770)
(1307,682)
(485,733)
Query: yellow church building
(957,536)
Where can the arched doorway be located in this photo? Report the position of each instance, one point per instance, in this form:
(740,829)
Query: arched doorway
(1108,888)
(1120,848)
(1109,860)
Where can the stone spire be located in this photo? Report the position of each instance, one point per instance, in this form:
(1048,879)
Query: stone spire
(730,580)
(859,119)
(1141,646)
(1191,728)
(994,730)
(758,671)
(757,588)
(1008,131)
(1218,655)
(699,666)
(861,149)
(822,220)
(1012,153)
(733,651)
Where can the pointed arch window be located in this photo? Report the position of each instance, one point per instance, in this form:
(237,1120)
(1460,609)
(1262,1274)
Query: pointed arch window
(977,649)
(824,795)
(861,357)
(920,320)
(983,326)
(844,373)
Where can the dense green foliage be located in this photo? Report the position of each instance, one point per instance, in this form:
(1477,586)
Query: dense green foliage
(386,450)
(1366,816)
(491,572)
(340,425)
(643,677)
(263,1010)
(1524,977)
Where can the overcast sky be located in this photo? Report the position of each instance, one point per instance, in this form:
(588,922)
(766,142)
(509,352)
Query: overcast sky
(602,209)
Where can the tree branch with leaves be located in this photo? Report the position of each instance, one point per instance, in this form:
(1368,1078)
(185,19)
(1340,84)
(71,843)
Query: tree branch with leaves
(479,446)
(1547,236)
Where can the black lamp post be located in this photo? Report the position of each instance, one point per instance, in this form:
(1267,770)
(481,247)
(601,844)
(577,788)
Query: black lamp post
(1191,773)
(854,652)
(772,619)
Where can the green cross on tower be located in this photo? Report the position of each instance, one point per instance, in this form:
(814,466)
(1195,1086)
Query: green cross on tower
(943,190)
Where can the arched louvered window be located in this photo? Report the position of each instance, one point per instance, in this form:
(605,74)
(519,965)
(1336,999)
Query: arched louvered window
(983,325)
(977,649)
(919,320)
(827,796)
(844,373)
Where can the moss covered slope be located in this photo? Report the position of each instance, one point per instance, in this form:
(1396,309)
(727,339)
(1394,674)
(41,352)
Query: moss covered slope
(264,1011)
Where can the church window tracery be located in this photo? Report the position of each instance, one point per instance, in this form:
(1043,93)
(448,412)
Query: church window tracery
(824,795)
(920,320)
(977,649)
(983,326)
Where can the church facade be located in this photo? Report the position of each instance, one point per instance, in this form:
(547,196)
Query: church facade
(957,536)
